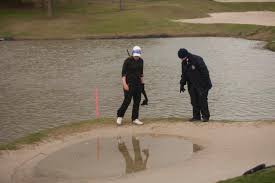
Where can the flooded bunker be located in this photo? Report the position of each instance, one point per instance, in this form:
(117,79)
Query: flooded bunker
(115,157)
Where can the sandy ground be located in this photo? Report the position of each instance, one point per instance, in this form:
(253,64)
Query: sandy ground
(266,18)
(229,150)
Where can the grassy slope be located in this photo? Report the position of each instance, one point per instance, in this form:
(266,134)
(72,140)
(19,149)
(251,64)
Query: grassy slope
(264,176)
(87,19)
(70,129)
(55,132)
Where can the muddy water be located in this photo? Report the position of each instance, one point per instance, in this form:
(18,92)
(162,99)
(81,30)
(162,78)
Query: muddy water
(48,83)
(112,158)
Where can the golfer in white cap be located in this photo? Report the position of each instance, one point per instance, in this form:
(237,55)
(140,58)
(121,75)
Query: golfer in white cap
(132,80)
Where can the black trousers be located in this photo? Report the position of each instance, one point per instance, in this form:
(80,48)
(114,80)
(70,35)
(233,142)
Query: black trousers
(135,93)
(199,102)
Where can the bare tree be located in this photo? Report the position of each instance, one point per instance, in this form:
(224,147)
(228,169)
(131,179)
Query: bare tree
(50,8)
(121,5)
(11,3)
(43,4)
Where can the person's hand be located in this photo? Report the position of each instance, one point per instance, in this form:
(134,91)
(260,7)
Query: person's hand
(126,87)
(182,88)
(142,86)
(145,102)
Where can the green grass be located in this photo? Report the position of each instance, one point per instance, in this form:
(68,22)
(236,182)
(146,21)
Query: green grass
(73,128)
(29,139)
(271,45)
(96,19)
(55,132)
(264,176)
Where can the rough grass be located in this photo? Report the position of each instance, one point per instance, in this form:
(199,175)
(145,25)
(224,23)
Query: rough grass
(264,176)
(271,45)
(96,19)
(73,128)
(60,131)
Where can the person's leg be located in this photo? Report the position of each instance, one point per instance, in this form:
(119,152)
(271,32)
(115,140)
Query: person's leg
(138,158)
(127,100)
(195,103)
(127,157)
(136,99)
(137,149)
(204,105)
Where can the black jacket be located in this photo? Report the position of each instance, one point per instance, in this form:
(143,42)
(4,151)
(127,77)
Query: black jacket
(133,70)
(195,73)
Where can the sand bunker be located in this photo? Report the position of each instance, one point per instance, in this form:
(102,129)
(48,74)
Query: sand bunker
(266,18)
(229,149)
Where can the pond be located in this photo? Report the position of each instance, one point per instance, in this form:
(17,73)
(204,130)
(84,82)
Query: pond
(49,83)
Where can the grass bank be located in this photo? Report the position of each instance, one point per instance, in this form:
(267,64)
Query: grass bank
(143,18)
(70,129)
(55,132)
(264,176)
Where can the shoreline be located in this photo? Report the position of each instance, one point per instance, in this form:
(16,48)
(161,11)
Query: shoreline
(270,44)
(135,36)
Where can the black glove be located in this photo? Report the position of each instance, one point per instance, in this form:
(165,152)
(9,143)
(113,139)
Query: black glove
(145,102)
(142,87)
(182,88)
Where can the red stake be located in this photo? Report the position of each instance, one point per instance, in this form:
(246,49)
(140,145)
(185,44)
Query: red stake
(96,103)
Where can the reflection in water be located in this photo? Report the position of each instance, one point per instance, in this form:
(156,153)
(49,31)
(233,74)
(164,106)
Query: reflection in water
(137,164)
(108,158)
(196,147)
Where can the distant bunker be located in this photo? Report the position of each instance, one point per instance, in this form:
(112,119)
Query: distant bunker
(265,18)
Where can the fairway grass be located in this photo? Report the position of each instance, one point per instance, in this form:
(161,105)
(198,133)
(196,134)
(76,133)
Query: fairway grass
(147,18)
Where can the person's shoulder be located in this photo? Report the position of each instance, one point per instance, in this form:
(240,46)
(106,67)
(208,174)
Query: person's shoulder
(196,58)
(128,59)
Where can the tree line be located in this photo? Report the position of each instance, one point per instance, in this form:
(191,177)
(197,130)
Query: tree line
(48,5)
(44,4)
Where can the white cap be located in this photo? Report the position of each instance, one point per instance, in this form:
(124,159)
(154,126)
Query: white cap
(136,52)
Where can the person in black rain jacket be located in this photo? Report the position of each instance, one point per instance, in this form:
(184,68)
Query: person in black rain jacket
(196,75)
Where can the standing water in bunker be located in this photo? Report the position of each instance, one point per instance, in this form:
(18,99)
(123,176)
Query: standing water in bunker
(116,157)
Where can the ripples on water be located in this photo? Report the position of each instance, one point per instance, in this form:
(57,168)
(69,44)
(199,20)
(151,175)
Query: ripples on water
(48,83)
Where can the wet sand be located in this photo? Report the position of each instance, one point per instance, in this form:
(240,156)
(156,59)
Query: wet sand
(229,149)
(266,18)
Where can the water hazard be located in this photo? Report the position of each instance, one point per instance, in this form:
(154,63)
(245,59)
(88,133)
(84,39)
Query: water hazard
(49,83)
(111,158)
